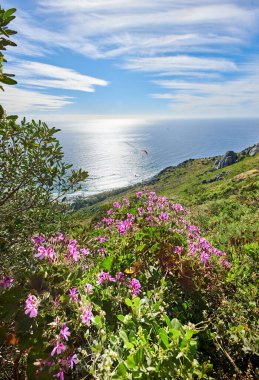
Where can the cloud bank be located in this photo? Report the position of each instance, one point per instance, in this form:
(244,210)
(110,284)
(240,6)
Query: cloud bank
(200,55)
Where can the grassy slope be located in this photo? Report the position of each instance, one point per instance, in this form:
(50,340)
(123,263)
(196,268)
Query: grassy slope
(225,210)
(227,213)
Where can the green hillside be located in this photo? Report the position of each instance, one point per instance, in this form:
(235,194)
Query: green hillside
(226,210)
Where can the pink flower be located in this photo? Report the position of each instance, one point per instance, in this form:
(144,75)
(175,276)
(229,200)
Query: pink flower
(178,249)
(38,240)
(116,205)
(60,236)
(177,207)
(85,251)
(140,211)
(6,282)
(60,375)
(123,226)
(72,360)
(139,194)
(73,242)
(104,278)
(58,348)
(102,251)
(89,289)
(31,305)
(224,263)
(164,217)
(108,221)
(86,315)
(204,258)
(64,332)
(42,253)
(135,286)
(50,253)
(73,252)
(73,294)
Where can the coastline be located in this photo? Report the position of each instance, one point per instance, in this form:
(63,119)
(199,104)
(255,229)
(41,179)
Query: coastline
(199,167)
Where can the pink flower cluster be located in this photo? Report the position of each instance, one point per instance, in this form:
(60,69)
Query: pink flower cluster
(158,210)
(135,286)
(73,294)
(201,247)
(43,253)
(59,348)
(6,282)
(124,225)
(60,243)
(31,306)
(87,315)
(104,278)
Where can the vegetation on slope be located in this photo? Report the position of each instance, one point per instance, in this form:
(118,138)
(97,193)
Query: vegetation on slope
(131,290)
(227,213)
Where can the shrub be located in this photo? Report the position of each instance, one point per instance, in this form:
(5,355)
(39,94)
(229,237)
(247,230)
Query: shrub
(124,301)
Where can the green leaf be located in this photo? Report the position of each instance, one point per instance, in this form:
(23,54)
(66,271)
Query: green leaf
(123,336)
(176,325)
(139,356)
(174,333)
(107,263)
(98,320)
(9,13)
(128,302)
(12,117)
(189,334)
(131,362)
(164,337)
(121,370)
(7,80)
(121,318)
(168,321)
(129,345)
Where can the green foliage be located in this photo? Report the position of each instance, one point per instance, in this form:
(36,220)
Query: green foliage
(227,213)
(33,178)
(136,321)
(5,18)
(149,345)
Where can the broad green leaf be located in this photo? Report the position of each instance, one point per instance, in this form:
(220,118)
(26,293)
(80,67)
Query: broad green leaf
(128,302)
(121,370)
(121,317)
(9,13)
(164,337)
(107,263)
(123,336)
(131,362)
(176,325)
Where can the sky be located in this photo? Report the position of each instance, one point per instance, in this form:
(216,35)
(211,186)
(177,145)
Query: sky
(132,58)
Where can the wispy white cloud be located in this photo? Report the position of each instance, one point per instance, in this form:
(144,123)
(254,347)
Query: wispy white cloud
(43,75)
(112,28)
(199,41)
(238,97)
(182,63)
(35,77)
(17,100)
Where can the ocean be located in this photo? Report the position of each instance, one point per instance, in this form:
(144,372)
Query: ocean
(120,154)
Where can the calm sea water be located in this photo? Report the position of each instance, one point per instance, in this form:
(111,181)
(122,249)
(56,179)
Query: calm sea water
(119,155)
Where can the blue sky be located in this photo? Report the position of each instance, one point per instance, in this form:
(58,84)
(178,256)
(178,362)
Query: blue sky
(132,58)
